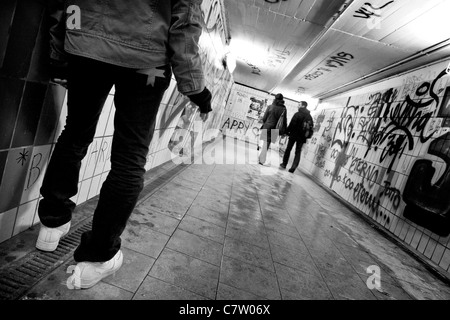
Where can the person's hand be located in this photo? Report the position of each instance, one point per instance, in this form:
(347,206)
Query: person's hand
(204,116)
(202,100)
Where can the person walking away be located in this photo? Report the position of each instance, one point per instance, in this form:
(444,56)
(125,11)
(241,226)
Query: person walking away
(270,120)
(299,130)
(134,46)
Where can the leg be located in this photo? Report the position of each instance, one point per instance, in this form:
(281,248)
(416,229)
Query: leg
(265,135)
(137,104)
(89,85)
(298,150)
(287,153)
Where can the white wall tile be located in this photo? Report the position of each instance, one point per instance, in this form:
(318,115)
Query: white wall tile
(7,220)
(25,216)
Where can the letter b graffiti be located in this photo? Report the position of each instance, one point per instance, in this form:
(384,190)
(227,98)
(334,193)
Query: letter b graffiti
(374,281)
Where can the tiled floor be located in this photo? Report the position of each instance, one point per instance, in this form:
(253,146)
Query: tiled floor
(232,231)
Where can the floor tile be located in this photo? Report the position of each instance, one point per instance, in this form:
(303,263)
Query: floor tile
(216,203)
(253,235)
(196,246)
(155,289)
(173,192)
(288,242)
(277,216)
(186,272)
(203,228)
(423,293)
(249,278)
(280,227)
(317,243)
(217,188)
(245,219)
(347,287)
(135,268)
(301,284)
(294,259)
(248,253)
(329,253)
(181,183)
(217,218)
(339,265)
(154,220)
(166,206)
(225,292)
(391,292)
(144,240)
(194,176)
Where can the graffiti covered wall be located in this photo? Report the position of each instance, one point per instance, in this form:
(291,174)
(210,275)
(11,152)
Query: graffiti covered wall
(385,149)
(186,128)
(33,113)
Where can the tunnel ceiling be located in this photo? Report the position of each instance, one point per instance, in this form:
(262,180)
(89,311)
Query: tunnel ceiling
(322,48)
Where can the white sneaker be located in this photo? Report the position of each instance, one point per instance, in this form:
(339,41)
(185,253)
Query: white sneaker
(87,274)
(48,238)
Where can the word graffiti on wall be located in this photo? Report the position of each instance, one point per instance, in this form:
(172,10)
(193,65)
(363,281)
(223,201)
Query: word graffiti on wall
(374,141)
(254,69)
(277,58)
(333,62)
(404,121)
(372,14)
(235,124)
(368,10)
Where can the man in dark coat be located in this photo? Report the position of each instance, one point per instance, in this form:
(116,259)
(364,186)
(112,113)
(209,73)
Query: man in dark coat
(270,120)
(134,46)
(300,123)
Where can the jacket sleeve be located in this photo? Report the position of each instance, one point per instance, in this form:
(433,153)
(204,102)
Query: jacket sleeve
(57,29)
(184,34)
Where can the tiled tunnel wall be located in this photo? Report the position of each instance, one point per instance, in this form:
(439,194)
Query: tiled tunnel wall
(32,112)
(385,149)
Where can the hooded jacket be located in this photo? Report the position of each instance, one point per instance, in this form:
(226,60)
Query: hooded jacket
(295,127)
(273,114)
(138,34)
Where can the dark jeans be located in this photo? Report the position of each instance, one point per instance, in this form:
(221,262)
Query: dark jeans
(136,100)
(287,153)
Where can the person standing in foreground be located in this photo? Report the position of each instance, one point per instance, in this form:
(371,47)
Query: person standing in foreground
(134,46)
(300,128)
(270,120)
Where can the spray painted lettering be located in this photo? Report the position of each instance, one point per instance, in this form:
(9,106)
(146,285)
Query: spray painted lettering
(369,11)
(339,60)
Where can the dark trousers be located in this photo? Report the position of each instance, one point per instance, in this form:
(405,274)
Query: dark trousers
(136,100)
(298,149)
